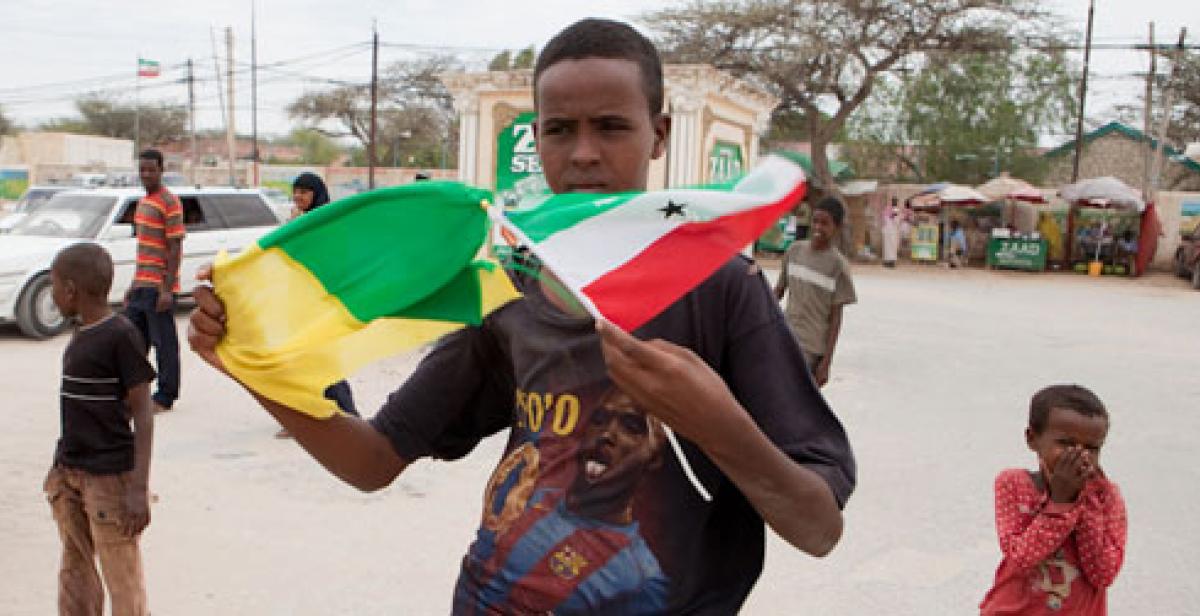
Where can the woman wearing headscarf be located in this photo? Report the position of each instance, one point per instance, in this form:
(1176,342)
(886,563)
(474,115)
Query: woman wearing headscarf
(309,193)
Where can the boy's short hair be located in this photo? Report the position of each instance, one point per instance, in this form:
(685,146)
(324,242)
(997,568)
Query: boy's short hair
(152,154)
(605,38)
(1073,397)
(88,265)
(833,207)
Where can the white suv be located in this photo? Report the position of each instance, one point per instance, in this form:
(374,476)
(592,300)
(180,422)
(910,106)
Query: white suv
(216,219)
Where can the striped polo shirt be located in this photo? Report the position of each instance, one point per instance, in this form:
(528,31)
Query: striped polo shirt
(159,218)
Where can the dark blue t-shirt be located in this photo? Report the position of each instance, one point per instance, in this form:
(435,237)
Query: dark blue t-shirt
(541,373)
(100,365)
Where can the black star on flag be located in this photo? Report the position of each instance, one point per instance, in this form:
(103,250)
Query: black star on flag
(672,209)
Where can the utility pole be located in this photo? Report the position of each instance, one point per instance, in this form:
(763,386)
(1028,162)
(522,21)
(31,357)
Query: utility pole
(1148,109)
(374,105)
(1165,121)
(191,83)
(230,126)
(212,35)
(254,92)
(1087,55)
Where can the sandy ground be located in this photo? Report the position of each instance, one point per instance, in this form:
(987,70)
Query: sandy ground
(932,380)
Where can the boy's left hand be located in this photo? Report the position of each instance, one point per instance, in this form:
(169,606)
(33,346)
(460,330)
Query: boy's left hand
(165,301)
(137,511)
(667,381)
(821,373)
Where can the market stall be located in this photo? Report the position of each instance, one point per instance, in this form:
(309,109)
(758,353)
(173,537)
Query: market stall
(933,207)
(1105,227)
(1016,243)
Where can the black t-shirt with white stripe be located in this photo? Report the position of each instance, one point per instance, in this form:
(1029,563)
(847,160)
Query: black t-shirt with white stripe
(101,364)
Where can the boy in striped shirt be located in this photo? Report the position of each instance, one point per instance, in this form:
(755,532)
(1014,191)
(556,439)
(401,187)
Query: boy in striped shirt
(150,302)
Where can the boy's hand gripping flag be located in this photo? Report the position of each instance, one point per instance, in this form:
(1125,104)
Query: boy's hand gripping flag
(353,282)
(628,257)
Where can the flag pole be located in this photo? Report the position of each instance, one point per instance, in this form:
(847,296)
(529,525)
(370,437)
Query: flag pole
(496,213)
(137,107)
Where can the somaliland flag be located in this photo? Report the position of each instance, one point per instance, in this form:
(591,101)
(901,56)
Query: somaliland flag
(147,68)
(353,282)
(628,257)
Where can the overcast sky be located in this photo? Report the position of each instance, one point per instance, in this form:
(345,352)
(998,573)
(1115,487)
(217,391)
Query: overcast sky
(57,50)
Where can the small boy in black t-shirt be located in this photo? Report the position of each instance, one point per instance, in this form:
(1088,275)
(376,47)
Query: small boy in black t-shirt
(97,487)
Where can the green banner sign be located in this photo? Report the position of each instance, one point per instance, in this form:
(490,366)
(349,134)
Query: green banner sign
(518,168)
(1012,253)
(725,162)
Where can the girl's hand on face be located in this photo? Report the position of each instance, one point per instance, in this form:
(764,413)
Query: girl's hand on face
(1068,476)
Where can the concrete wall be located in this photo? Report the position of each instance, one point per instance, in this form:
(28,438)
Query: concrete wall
(1170,212)
(55,157)
(37,148)
(1119,156)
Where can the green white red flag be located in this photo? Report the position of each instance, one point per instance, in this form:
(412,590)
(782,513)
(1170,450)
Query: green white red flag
(627,257)
(147,68)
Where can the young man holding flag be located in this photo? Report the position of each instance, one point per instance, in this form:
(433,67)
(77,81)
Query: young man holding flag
(718,366)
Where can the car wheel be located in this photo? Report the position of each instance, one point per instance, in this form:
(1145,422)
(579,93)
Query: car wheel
(37,316)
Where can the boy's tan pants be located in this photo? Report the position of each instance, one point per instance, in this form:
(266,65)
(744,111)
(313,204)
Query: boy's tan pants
(88,509)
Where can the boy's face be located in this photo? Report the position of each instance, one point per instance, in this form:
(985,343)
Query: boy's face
(149,173)
(64,293)
(1064,429)
(594,130)
(824,229)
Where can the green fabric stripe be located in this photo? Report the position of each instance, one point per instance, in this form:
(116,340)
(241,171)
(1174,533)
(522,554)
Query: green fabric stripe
(460,301)
(563,211)
(388,250)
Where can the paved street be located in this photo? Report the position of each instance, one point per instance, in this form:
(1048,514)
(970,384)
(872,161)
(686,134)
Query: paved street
(932,380)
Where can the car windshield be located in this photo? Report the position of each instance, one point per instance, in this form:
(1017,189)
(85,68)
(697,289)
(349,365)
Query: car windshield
(33,198)
(64,215)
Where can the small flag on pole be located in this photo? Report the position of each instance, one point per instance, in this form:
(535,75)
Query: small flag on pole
(147,68)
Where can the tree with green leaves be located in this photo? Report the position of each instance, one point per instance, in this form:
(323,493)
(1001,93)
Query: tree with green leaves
(507,61)
(525,58)
(1185,117)
(965,118)
(415,117)
(501,61)
(318,149)
(158,123)
(824,58)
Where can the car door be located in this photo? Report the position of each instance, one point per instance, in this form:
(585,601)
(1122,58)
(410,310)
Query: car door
(204,239)
(246,216)
(122,247)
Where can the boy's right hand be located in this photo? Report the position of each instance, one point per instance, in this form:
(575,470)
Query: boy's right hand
(1071,471)
(207,323)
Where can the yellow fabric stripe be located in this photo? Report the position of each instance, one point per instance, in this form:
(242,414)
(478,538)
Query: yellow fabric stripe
(288,340)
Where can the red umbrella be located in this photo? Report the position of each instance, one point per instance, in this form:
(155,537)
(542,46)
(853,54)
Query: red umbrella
(1028,195)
